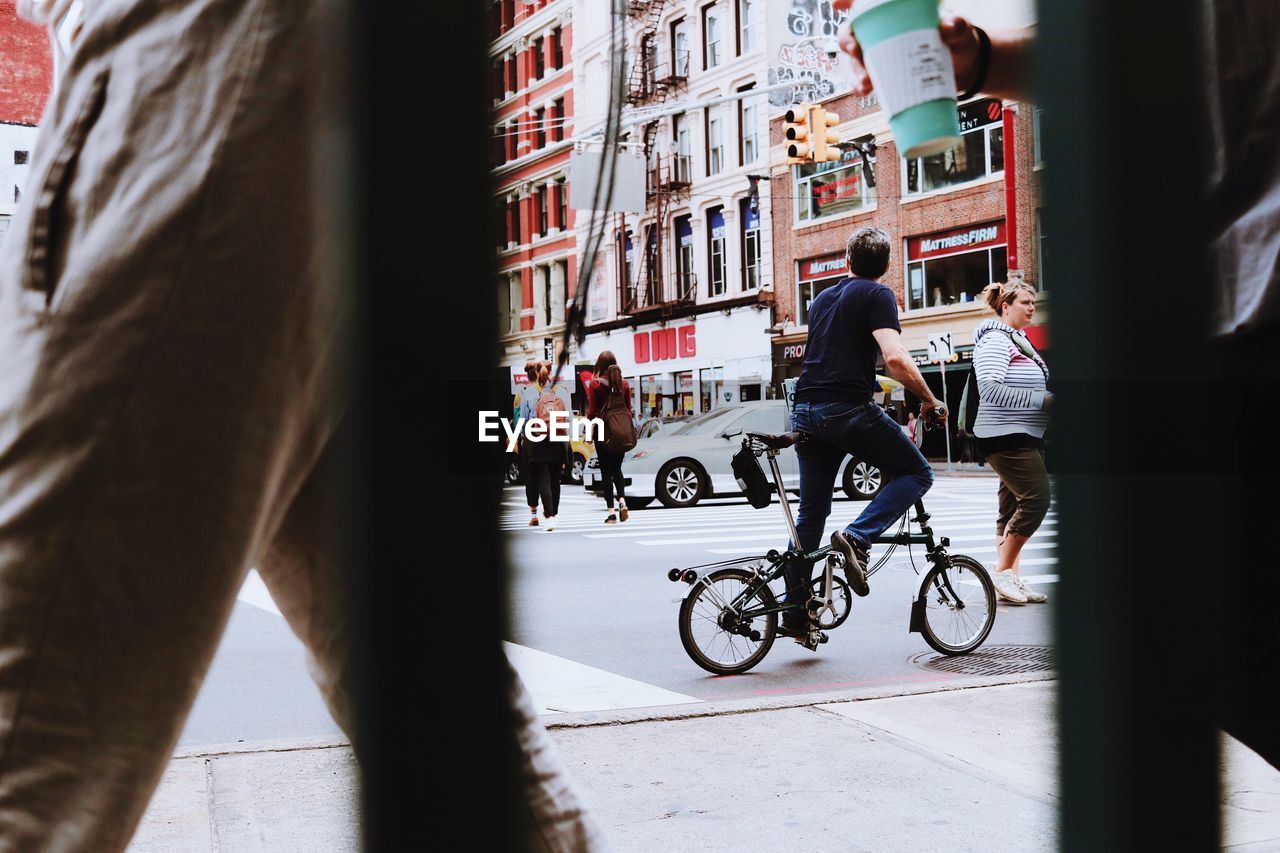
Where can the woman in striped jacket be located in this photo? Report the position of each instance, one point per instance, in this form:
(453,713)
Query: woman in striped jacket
(1012,415)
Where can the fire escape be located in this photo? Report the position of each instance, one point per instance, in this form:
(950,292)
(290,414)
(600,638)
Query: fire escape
(668,178)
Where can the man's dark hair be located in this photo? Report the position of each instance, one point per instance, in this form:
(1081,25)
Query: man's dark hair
(868,252)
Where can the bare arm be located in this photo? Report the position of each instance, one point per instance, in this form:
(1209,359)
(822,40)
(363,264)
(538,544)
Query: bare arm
(902,367)
(1008,71)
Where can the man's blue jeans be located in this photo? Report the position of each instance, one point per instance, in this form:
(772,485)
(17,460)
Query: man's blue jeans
(834,430)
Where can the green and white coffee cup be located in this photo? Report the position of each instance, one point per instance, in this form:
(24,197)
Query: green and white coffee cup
(911,70)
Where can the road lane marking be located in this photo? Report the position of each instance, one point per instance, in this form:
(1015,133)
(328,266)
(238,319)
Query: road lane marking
(559,685)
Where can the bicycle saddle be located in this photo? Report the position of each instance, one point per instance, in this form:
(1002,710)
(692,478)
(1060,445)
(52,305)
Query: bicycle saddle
(775,442)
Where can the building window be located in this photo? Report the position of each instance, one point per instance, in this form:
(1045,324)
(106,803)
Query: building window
(562,198)
(686,282)
(715,144)
(539,58)
(748,146)
(953,267)
(547,297)
(680,48)
(540,211)
(1040,250)
(1035,135)
(980,152)
(499,79)
(828,189)
(558,120)
(557,47)
(513,84)
(716,257)
(683,171)
(511,136)
(516,236)
(711,37)
(510,295)
(746,26)
(500,222)
(540,128)
(751,254)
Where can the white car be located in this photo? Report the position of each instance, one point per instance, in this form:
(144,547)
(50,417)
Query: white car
(690,461)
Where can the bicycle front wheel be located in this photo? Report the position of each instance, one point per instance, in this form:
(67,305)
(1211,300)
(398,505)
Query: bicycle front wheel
(960,605)
(713,629)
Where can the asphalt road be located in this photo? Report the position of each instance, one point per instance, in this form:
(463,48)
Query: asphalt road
(598,594)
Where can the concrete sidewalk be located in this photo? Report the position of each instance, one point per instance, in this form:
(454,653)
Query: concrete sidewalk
(973,768)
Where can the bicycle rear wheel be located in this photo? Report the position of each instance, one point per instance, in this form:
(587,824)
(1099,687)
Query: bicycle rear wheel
(715,635)
(960,605)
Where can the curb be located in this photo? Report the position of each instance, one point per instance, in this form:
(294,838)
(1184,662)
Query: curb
(698,710)
(214,750)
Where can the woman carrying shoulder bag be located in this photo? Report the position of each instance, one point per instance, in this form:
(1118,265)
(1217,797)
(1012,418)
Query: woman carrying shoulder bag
(1013,413)
(607,394)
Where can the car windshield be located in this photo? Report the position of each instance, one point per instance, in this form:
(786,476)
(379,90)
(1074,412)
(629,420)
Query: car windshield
(702,424)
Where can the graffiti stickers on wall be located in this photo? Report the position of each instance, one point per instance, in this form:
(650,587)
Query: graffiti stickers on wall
(805,32)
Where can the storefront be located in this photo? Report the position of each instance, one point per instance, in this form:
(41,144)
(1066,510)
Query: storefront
(952,267)
(691,365)
(814,276)
(788,360)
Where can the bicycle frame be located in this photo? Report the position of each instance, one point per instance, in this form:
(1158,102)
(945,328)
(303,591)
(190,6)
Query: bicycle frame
(935,552)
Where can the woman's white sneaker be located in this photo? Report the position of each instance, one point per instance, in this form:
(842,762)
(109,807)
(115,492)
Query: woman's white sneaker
(1033,596)
(1007,587)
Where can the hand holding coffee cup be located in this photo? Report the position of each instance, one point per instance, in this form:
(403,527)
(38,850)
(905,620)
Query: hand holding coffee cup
(958,34)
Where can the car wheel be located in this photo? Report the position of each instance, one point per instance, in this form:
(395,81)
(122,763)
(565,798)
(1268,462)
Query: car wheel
(862,480)
(638,503)
(680,483)
(575,469)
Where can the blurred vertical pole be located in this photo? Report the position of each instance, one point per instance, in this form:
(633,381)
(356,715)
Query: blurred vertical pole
(1125,158)
(407,155)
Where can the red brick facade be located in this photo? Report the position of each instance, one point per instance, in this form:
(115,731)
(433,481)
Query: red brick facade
(982,202)
(26,68)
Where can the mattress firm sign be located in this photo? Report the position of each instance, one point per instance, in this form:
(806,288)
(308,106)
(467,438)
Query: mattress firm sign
(959,240)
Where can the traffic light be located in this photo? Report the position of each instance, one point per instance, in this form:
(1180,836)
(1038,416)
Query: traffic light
(822,136)
(796,132)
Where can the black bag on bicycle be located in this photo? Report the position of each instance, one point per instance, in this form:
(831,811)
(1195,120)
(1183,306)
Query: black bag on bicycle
(751,477)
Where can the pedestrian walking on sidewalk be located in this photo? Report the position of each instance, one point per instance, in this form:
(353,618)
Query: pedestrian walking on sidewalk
(527,401)
(172,324)
(609,398)
(1013,412)
(548,457)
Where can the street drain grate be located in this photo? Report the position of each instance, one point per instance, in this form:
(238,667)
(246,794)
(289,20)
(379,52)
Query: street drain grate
(992,660)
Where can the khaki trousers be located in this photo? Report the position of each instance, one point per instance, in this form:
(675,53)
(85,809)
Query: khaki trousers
(1024,493)
(168,341)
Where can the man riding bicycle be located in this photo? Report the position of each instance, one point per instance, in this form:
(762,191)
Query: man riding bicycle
(848,323)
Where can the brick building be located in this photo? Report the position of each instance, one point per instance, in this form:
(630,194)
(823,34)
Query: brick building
(26,77)
(532,59)
(947,215)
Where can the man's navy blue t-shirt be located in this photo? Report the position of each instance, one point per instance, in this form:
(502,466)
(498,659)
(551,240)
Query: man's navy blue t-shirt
(840,358)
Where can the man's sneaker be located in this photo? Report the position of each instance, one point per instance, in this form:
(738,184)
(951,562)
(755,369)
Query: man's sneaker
(794,624)
(533,520)
(1033,596)
(551,524)
(855,561)
(1006,584)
